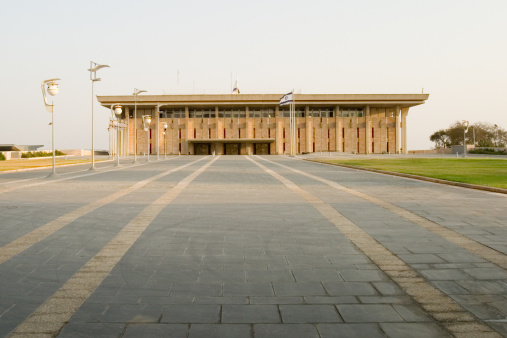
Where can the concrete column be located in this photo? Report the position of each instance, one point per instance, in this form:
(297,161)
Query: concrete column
(216,122)
(157,111)
(309,131)
(249,127)
(404,146)
(367,127)
(398,130)
(338,128)
(187,132)
(277,131)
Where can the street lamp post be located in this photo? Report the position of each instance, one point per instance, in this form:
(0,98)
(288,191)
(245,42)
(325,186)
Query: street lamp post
(93,77)
(136,92)
(117,111)
(146,126)
(52,89)
(465,129)
(164,126)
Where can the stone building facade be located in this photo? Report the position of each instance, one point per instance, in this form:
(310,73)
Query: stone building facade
(256,124)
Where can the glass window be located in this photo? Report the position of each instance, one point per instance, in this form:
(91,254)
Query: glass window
(171,113)
(352,112)
(268,113)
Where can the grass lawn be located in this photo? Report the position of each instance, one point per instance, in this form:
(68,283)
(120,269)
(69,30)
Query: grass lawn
(488,172)
(37,163)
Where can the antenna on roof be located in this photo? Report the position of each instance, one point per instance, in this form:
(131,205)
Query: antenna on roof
(422,91)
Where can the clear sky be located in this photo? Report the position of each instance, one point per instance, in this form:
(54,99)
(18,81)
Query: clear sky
(455,50)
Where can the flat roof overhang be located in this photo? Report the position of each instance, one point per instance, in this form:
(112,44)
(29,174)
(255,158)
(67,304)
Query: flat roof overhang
(234,140)
(264,100)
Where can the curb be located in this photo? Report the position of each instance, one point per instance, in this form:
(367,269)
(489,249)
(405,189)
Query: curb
(420,178)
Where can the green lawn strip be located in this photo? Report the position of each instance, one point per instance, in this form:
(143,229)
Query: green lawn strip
(488,172)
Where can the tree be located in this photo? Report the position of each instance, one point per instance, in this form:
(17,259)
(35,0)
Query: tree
(480,134)
(441,139)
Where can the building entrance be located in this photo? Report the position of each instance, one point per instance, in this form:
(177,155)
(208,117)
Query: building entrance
(202,148)
(261,149)
(232,149)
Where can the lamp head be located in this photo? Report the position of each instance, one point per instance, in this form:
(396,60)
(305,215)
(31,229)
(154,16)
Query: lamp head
(164,125)
(52,88)
(117,110)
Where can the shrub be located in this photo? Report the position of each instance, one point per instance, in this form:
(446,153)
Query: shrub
(41,154)
(487,151)
(2,157)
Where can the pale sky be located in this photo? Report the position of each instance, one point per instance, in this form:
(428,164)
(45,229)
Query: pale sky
(455,50)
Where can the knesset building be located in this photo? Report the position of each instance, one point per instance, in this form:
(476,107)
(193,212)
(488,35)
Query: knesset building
(242,124)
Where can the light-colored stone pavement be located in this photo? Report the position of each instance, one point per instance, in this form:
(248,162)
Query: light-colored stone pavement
(238,246)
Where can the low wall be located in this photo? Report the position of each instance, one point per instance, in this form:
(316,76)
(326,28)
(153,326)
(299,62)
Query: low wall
(431,151)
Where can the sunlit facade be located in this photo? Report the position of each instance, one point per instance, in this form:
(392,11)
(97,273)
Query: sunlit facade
(255,123)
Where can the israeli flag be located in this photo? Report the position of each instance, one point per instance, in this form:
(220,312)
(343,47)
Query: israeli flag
(286,99)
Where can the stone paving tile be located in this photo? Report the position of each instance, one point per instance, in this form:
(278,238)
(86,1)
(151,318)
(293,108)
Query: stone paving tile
(309,314)
(361,313)
(421,258)
(486,273)
(250,314)
(299,289)
(276,300)
(132,313)
(196,289)
(311,275)
(443,274)
(85,330)
(349,330)
(156,330)
(350,275)
(412,313)
(349,288)
(285,330)
(483,287)
(415,330)
(220,331)
(385,299)
(269,276)
(248,289)
(449,287)
(195,313)
(221,300)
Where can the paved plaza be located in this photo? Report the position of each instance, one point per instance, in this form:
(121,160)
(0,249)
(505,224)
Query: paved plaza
(248,246)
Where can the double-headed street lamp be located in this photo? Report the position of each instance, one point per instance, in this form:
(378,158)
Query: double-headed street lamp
(136,92)
(164,126)
(465,130)
(93,77)
(116,109)
(52,89)
(146,126)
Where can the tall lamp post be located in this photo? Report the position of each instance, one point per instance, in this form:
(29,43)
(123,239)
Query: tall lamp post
(465,129)
(93,77)
(136,92)
(52,89)
(116,109)
(146,126)
(164,126)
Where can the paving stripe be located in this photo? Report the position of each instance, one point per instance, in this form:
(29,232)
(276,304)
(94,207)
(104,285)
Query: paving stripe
(55,312)
(452,236)
(441,307)
(21,244)
(99,171)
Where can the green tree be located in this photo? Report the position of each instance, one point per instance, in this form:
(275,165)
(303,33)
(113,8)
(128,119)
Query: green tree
(481,134)
(441,139)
